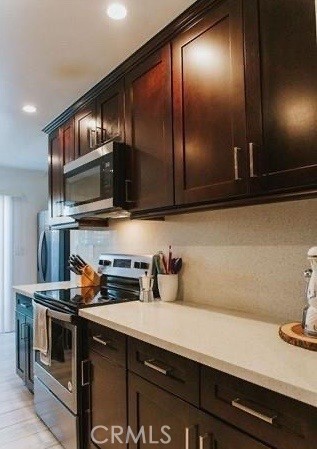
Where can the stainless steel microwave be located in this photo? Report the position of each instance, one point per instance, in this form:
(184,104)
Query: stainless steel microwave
(97,183)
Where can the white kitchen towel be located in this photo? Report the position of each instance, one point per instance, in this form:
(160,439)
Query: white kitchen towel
(42,333)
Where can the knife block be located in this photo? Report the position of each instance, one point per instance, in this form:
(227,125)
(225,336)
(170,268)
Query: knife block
(89,278)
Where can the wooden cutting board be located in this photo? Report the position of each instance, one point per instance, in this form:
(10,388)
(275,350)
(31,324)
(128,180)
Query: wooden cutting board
(293,334)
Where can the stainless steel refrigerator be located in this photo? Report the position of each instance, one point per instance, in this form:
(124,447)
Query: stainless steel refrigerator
(52,251)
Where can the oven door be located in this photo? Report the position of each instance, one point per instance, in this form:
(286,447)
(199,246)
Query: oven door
(60,377)
(88,183)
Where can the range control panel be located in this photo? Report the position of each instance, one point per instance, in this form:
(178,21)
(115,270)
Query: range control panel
(125,265)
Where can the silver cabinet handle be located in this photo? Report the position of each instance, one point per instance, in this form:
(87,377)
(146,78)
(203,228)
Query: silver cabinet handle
(202,439)
(24,335)
(92,138)
(251,160)
(99,340)
(187,436)
(238,403)
(236,163)
(151,364)
(187,430)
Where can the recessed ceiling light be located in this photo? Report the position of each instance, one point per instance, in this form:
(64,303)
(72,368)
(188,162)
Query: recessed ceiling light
(29,108)
(117,11)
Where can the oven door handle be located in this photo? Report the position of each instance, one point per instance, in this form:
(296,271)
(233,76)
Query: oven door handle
(67,318)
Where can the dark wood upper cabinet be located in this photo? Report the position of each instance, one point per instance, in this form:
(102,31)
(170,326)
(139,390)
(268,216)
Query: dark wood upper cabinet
(110,113)
(209,107)
(149,130)
(61,151)
(281,82)
(220,108)
(85,130)
(67,136)
(56,163)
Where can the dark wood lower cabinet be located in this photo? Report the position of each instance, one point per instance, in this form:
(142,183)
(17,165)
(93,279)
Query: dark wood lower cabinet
(20,345)
(163,420)
(108,401)
(214,434)
(24,340)
(154,411)
(29,372)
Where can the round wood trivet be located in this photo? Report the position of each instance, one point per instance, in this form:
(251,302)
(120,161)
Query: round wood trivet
(293,334)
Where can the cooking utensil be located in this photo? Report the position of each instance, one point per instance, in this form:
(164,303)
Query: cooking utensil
(156,261)
(163,265)
(81,260)
(74,270)
(77,261)
(176,265)
(170,257)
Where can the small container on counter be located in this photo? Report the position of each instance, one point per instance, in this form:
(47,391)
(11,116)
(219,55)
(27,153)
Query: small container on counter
(146,288)
(168,287)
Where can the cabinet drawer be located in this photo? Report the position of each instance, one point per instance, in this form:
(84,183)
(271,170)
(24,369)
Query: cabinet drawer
(172,372)
(279,421)
(24,305)
(108,343)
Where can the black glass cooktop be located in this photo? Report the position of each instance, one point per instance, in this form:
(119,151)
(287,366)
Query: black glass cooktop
(78,298)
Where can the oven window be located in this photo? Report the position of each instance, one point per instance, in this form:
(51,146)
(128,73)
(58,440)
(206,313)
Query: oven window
(84,186)
(62,352)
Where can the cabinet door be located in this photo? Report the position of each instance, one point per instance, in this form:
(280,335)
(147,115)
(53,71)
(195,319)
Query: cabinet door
(108,400)
(110,114)
(20,345)
(68,142)
(213,433)
(209,107)
(29,371)
(149,130)
(55,174)
(281,80)
(151,410)
(85,130)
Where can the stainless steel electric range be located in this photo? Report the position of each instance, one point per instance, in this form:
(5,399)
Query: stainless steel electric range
(61,390)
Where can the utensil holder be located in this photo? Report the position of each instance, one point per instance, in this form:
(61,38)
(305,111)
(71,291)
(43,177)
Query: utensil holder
(168,287)
(89,278)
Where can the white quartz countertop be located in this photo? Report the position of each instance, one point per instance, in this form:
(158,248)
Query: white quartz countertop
(240,345)
(30,289)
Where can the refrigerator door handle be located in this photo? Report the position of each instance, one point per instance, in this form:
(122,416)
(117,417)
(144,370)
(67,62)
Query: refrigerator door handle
(39,255)
(46,254)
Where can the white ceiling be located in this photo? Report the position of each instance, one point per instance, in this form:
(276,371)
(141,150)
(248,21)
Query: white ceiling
(52,52)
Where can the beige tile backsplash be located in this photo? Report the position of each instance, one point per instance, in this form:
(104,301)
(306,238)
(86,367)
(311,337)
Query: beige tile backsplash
(247,259)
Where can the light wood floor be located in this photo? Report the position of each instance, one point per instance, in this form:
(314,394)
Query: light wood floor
(19,426)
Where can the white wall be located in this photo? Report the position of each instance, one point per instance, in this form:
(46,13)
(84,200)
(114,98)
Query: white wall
(30,191)
(248,259)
